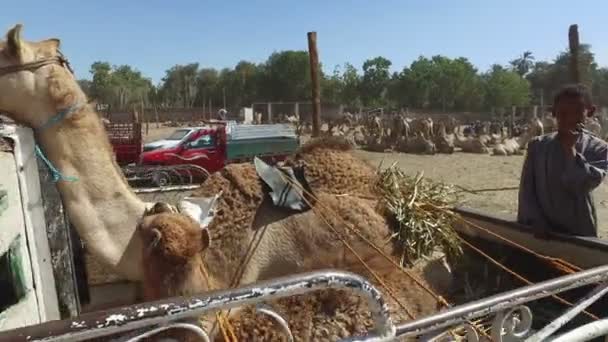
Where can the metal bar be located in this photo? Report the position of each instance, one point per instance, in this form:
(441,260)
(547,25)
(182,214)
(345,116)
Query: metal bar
(502,302)
(585,332)
(96,324)
(316,83)
(581,305)
(166,188)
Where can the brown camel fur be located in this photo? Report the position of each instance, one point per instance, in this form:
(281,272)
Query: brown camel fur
(472,145)
(288,243)
(322,315)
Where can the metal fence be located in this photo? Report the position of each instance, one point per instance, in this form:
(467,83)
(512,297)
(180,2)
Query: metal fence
(512,319)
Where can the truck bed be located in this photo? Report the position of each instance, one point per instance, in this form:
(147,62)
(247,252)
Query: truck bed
(248,132)
(126,141)
(248,148)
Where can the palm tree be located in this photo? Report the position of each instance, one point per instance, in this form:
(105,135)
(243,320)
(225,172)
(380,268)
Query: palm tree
(523,64)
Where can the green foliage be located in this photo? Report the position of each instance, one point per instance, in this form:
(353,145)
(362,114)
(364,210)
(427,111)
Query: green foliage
(523,64)
(351,83)
(438,83)
(505,88)
(546,77)
(435,83)
(375,81)
(286,77)
(120,87)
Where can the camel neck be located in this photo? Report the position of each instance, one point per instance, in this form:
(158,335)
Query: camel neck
(99,202)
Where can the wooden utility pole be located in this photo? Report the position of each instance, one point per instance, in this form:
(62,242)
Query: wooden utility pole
(316,87)
(574,54)
(156,116)
(224,96)
(143,117)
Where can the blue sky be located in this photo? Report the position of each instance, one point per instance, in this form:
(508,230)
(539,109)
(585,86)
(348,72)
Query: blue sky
(153,35)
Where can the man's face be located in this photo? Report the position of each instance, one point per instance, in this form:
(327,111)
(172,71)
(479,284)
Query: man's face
(571,111)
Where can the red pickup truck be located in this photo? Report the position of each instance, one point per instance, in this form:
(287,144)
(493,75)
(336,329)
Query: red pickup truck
(219,143)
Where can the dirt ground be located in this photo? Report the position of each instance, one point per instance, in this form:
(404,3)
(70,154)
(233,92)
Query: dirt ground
(474,172)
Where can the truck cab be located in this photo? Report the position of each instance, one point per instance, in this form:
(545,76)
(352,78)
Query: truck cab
(204,147)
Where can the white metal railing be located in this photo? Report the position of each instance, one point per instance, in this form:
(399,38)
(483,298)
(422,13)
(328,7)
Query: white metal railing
(512,319)
(161,315)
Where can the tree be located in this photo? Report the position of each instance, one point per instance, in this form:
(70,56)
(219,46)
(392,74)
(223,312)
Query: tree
(286,77)
(118,86)
(437,83)
(207,84)
(451,79)
(351,84)
(418,83)
(375,82)
(179,86)
(331,87)
(100,85)
(505,88)
(546,77)
(523,64)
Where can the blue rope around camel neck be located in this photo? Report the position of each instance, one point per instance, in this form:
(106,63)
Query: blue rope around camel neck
(55,173)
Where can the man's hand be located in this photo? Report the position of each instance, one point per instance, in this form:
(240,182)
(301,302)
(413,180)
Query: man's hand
(567,139)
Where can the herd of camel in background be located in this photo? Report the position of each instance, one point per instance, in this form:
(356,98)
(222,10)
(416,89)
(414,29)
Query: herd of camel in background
(423,135)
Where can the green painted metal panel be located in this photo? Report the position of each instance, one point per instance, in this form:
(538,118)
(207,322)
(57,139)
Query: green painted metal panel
(242,149)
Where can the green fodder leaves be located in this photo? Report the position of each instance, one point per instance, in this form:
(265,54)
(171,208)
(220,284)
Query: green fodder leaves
(420,213)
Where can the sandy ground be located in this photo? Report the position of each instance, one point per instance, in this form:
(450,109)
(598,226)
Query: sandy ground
(473,171)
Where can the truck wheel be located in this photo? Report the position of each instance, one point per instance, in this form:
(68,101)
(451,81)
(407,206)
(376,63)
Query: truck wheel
(161,179)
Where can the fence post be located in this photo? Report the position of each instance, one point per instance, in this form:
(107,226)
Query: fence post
(316,87)
(573,41)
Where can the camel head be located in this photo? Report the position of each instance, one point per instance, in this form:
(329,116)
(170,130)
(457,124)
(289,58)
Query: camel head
(171,239)
(35,80)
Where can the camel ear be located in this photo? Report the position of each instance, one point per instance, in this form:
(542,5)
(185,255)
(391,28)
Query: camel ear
(14,42)
(50,46)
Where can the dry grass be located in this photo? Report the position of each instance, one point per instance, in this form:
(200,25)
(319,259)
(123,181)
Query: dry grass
(419,213)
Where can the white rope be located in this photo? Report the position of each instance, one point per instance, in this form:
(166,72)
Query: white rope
(188,326)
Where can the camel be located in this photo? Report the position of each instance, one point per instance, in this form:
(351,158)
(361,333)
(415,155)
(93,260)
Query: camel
(537,126)
(359,134)
(424,126)
(472,144)
(399,129)
(286,243)
(416,144)
(515,145)
(37,89)
(549,123)
(174,267)
(443,141)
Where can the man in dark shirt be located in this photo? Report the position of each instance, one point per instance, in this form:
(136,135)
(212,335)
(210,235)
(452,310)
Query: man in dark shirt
(561,170)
